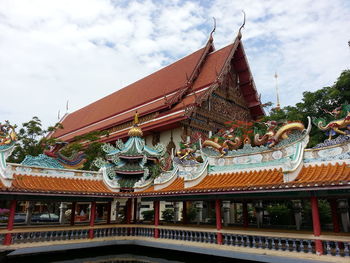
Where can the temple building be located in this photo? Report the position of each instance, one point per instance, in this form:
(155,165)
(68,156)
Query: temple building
(191,97)
(236,187)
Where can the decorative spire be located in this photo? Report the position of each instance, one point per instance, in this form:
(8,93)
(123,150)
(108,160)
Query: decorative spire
(239,31)
(135,130)
(136,118)
(278,105)
(212,32)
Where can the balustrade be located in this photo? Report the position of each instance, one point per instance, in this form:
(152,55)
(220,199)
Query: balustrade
(188,235)
(297,243)
(334,248)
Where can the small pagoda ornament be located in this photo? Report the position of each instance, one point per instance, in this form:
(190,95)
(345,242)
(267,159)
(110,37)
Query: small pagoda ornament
(132,161)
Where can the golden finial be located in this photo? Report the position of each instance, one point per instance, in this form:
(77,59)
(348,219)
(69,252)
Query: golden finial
(135,130)
(136,118)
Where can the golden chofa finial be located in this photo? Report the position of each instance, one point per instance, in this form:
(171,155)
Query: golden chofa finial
(136,118)
(135,130)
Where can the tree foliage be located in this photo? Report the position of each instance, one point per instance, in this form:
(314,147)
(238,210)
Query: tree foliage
(168,215)
(314,104)
(32,139)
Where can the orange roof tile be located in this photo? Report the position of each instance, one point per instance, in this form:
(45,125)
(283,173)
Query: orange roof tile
(310,176)
(241,179)
(325,173)
(227,180)
(30,183)
(177,185)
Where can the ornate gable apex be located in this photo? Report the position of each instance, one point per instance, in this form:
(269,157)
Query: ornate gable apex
(209,48)
(237,59)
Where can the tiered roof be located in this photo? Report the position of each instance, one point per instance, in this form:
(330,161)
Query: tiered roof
(171,90)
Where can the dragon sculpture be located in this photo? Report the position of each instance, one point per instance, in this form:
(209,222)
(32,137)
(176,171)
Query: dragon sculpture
(75,161)
(229,142)
(232,140)
(334,127)
(188,149)
(274,134)
(7,134)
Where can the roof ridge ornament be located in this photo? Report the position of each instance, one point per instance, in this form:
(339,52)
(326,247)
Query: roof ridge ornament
(212,32)
(135,130)
(136,118)
(242,26)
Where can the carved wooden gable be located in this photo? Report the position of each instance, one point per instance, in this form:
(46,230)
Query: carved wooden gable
(225,103)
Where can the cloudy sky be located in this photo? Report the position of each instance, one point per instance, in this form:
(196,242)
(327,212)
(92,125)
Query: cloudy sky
(81,50)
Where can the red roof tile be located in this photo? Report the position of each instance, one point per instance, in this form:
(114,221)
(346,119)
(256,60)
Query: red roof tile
(156,85)
(112,110)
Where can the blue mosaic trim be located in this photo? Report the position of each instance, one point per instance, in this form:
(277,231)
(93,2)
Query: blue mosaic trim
(6,146)
(217,168)
(339,140)
(42,160)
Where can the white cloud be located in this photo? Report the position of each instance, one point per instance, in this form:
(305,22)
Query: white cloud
(52,51)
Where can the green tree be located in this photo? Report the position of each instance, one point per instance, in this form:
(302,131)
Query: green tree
(168,215)
(32,139)
(90,145)
(148,215)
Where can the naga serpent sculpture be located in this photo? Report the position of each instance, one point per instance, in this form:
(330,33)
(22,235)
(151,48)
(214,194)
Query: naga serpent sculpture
(7,134)
(273,137)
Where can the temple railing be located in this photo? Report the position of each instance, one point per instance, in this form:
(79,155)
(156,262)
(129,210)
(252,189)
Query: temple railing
(289,242)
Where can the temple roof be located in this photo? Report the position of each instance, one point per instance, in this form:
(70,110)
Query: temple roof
(325,175)
(164,89)
(315,177)
(42,184)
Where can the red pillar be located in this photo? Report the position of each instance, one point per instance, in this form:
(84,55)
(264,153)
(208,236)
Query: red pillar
(184,212)
(72,215)
(128,211)
(218,221)
(245,214)
(156,218)
(92,219)
(135,210)
(316,224)
(109,212)
(335,217)
(10,221)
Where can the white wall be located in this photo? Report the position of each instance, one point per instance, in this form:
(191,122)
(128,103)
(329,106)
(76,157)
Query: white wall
(165,137)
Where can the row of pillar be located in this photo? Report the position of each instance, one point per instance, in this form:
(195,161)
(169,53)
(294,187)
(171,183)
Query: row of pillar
(218,204)
(226,207)
(336,206)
